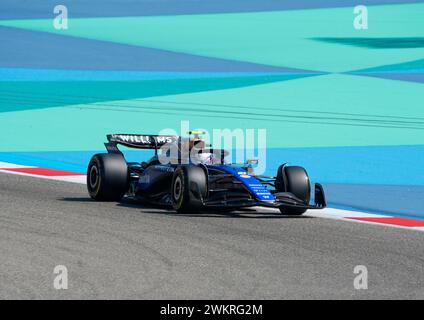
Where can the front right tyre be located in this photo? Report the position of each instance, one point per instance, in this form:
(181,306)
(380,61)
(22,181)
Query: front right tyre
(188,189)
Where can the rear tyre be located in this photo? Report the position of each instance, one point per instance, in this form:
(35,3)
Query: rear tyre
(107,177)
(296,181)
(188,189)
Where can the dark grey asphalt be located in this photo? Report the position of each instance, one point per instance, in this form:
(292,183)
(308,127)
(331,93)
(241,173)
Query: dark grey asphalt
(129,251)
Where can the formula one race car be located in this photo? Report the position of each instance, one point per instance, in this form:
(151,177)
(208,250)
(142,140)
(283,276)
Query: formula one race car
(189,175)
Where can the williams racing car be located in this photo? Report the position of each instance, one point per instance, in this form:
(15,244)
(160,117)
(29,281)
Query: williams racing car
(189,175)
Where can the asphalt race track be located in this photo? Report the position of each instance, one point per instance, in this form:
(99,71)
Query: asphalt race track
(129,251)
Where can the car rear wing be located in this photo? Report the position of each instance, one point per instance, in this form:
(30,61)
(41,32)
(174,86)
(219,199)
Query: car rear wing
(137,141)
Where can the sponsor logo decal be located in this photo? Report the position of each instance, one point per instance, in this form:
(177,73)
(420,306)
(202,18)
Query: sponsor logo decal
(142,139)
(163,168)
(164,139)
(132,138)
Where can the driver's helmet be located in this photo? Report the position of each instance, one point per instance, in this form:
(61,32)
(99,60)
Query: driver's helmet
(195,148)
(205,158)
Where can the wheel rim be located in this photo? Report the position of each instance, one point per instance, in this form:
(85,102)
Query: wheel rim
(94,176)
(177,188)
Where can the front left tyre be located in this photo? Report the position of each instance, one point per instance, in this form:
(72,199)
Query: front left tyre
(107,177)
(295,180)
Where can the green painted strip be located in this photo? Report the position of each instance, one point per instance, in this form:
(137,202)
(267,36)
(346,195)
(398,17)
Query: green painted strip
(377,43)
(401,67)
(22,95)
(330,110)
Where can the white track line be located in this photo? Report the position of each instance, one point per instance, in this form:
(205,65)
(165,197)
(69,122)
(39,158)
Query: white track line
(7,165)
(68,178)
(74,179)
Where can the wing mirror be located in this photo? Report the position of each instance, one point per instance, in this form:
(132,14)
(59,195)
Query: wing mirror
(251,164)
